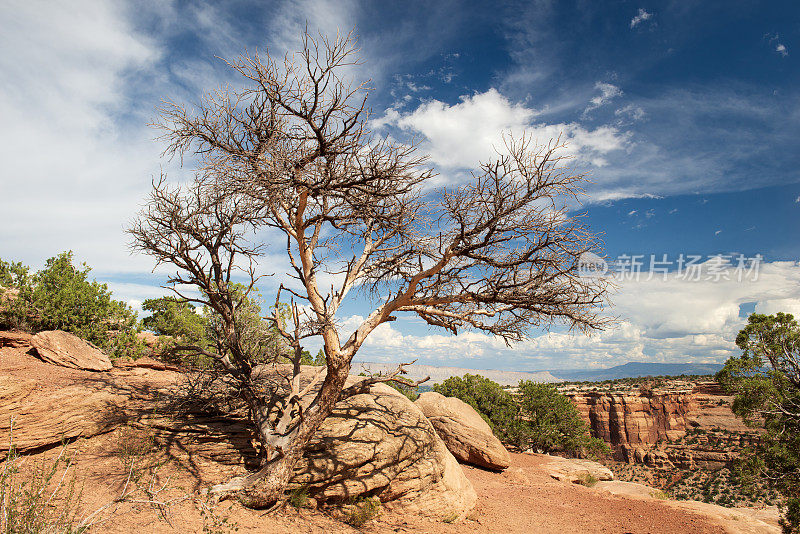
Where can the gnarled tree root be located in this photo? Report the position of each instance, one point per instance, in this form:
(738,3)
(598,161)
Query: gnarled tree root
(263,489)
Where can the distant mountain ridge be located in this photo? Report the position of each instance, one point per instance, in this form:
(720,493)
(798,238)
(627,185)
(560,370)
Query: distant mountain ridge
(512,378)
(440,374)
(637,369)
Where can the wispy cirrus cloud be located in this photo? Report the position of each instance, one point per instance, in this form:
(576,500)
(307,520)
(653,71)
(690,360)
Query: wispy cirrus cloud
(641,16)
(608,92)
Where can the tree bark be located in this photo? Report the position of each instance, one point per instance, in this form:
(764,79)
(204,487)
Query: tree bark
(263,488)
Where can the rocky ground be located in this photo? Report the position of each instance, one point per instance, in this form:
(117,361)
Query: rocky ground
(132,482)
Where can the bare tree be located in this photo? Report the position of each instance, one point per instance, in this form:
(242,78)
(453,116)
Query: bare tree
(291,155)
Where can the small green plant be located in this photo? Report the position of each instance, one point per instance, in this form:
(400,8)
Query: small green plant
(43,500)
(298,497)
(452,518)
(132,444)
(658,494)
(362,510)
(212,522)
(587,479)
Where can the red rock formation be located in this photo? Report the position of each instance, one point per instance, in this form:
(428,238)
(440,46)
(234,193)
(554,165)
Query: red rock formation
(647,426)
(628,421)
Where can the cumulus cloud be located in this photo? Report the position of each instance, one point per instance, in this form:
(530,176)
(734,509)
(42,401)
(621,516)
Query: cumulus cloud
(641,17)
(461,135)
(691,315)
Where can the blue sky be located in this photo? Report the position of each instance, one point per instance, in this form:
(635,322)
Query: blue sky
(685,115)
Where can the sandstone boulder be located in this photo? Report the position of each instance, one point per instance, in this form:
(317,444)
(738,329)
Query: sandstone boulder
(575,470)
(67,350)
(380,443)
(464,431)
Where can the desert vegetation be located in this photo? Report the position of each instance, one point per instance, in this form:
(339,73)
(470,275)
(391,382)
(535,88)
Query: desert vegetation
(62,297)
(666,383)
(42,499)
(765,380)
(537,417)
(725,486)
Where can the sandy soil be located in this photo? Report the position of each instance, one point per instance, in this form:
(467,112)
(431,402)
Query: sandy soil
(525,499)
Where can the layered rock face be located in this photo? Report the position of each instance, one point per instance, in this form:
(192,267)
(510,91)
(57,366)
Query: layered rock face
(628,422)
(690,428)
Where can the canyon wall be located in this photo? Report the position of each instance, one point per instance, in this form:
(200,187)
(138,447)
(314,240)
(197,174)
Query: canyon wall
(689,426)
(627,421)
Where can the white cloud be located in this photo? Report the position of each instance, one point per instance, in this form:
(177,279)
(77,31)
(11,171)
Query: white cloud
(786,305)
(461,135)
(664,319)
(325,16)
(608,92)
(71,176)
(642,16)
(774,39)
(632,112)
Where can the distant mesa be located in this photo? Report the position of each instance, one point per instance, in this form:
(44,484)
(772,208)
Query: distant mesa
(440,374)
(512,378)
(636,370)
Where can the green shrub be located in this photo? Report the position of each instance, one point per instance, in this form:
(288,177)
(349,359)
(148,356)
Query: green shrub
(552,423)
(362,510)
(12,275)
(174,317)
(61,297)
(540,418)
(298,497)
(184,325)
